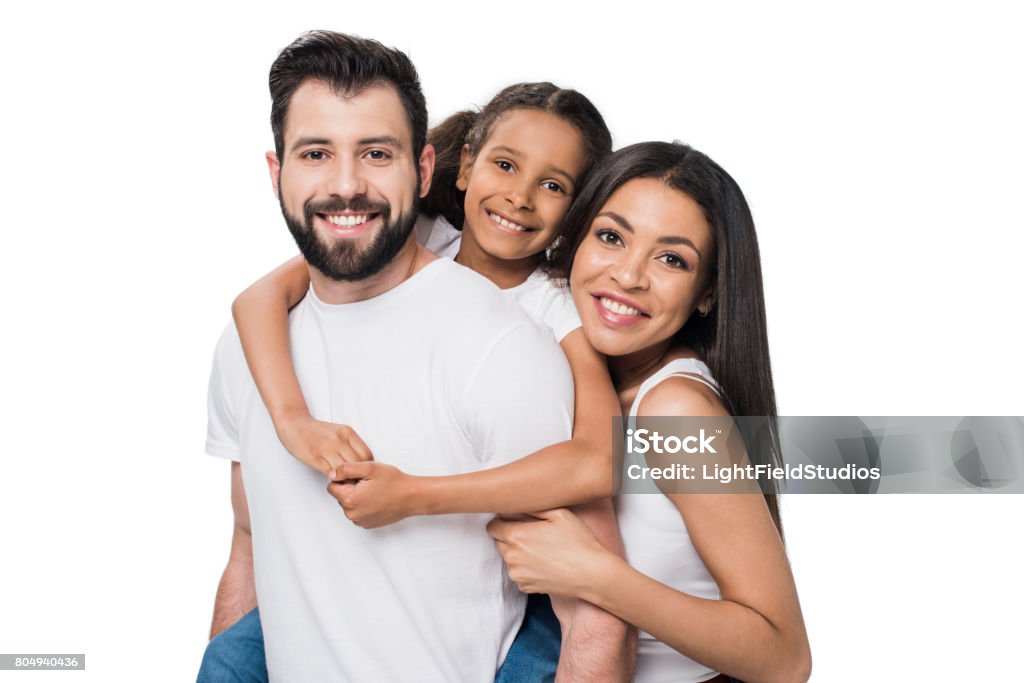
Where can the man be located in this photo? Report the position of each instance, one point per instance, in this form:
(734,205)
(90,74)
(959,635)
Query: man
(422,357)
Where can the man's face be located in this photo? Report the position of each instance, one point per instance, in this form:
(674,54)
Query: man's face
(348,182)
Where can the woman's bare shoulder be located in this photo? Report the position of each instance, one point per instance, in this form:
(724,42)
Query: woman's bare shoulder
(682,395)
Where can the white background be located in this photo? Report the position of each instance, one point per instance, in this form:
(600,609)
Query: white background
(880,148)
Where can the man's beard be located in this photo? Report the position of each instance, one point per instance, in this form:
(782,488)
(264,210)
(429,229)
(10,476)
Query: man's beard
(346,261)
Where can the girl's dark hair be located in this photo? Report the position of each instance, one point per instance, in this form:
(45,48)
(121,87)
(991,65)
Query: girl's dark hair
(471,128)
(733,338)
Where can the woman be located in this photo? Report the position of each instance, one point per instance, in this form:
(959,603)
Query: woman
(666,277)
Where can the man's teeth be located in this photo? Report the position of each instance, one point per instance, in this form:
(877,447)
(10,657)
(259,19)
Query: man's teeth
(348,221)
(506,224)
(615,307)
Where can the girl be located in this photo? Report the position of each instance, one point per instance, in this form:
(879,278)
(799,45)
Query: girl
(666,277)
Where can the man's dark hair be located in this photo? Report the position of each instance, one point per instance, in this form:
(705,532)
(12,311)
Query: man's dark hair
(348,65)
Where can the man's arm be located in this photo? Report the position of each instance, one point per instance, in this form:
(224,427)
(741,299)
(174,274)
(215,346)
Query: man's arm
(236,593)
(596,645)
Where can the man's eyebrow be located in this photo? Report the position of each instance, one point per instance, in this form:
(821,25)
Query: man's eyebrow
(382,140)
(375,140)
(303,142)
(667,239)
(515,152)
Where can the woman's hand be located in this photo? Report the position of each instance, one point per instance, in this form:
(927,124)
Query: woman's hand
(553,554)
(373,494)
(324,446)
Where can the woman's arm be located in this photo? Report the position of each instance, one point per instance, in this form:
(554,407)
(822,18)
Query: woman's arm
(566,473)
(261,316)
(754,632)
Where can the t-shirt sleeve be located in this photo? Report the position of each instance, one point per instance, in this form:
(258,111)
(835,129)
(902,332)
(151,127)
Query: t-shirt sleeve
(521,398)
(221,403)
(438,235)
(561,315)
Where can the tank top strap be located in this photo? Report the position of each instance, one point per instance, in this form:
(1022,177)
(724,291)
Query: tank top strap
(690,368)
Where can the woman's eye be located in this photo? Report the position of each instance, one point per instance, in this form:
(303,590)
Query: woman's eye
(675,261)
(554,187)
(609,237)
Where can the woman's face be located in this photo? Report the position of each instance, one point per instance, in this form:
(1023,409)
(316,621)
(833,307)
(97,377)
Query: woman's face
(642,268)
(521,182)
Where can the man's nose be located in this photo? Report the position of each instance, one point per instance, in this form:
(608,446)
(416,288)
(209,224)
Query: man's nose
(346,179)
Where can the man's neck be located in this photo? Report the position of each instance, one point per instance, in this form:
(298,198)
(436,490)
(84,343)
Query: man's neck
(409,261)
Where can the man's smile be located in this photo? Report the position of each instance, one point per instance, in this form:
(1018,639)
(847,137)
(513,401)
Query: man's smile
(347,224)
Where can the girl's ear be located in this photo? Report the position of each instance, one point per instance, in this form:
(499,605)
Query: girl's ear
(465,165)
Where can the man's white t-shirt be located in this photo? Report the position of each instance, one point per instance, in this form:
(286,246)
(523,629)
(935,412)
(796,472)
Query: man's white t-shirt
(546,302)
(440,375)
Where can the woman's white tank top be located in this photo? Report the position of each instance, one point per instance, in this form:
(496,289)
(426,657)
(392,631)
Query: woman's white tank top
(658,545)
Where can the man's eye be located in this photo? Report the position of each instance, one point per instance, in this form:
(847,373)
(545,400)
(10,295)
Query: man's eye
(377,155)
(315,155)
(609,237)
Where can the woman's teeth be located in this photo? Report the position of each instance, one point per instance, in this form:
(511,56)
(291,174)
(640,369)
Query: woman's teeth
(505,223)
(349,220)
(615,307)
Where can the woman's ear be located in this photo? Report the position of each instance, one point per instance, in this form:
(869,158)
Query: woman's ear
(707,302)
(465,165)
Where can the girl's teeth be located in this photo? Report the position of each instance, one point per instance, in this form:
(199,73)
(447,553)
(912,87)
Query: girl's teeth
(349,221)
(506,224)
(615,307)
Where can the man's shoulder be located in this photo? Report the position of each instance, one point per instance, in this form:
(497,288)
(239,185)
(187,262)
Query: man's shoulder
(475,294)
(228,357)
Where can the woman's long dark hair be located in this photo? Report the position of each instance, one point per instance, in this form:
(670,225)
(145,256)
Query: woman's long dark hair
(733,338)
(471,128)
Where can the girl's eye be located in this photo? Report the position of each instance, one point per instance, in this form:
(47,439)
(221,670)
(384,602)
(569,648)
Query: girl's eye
(609,237)
(674,261)
(554,187)
(504,165)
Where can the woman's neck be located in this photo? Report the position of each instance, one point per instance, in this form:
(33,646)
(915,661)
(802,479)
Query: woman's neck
(629,371)
(502,272)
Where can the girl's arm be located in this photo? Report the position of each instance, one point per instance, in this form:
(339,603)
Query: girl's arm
(261,316)
(754,632)
(566,473)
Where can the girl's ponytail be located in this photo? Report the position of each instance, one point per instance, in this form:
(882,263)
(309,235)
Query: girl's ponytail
(448,139)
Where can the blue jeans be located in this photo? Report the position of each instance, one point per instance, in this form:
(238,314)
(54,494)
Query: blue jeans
(533,656)
(237,656)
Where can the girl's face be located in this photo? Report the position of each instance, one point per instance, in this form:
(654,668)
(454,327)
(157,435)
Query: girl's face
(520,184)
(642,268)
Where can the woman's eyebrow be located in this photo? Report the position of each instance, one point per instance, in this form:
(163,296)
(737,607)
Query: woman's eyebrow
(667,239)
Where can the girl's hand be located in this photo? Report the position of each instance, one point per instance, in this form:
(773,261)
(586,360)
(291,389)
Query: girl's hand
(373,494)
(324,446)
(555,554)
